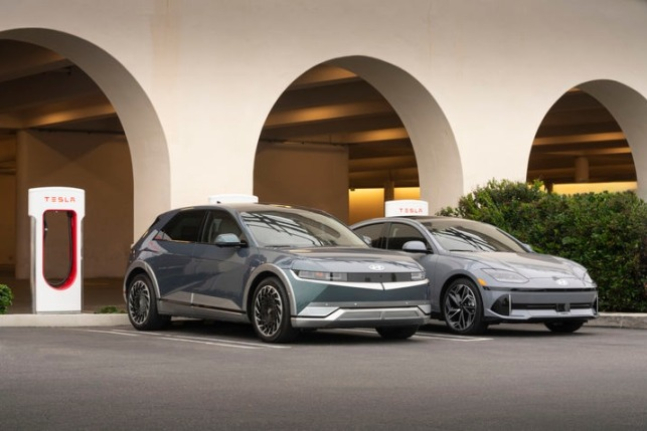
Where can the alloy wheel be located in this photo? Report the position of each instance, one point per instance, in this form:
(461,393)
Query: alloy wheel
(268,311)
(139,302)
(460,307)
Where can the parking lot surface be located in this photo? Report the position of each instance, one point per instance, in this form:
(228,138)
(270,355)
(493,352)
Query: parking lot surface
(219,376)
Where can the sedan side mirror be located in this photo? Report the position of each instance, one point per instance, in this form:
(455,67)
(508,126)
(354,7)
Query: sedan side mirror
(229,240)
(415,247)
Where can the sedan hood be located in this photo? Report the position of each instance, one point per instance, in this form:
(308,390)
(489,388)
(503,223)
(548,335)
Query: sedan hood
(530,265)
(352,260)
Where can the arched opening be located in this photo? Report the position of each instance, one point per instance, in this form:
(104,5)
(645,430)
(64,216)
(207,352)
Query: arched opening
(72,116)
(349,134)
(592,139)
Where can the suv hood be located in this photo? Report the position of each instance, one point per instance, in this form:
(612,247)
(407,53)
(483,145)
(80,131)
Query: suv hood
(348,259)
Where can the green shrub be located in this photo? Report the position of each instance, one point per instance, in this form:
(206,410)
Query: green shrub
(110,309)
(605,232)
(6,298)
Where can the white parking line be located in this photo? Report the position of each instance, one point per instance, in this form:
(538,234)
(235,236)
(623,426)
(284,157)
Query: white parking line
(443,337)
(224,340)
(107,332)
(209,341)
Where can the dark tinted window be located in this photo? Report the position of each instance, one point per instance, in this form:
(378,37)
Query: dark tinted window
(185,226)
(400,234)
(373,231)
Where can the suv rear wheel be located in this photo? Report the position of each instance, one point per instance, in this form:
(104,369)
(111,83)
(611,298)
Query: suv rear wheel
(142,305)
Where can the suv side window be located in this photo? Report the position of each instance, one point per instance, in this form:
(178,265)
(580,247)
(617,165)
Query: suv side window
(400,233)
(373,231)
(185,226)
(218,223)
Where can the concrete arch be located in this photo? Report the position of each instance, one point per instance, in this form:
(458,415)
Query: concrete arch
(629,108)
(439,164)
(146,140)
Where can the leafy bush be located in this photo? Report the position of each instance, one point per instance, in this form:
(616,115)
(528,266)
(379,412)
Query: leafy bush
(6,298)
(110,309)
(605,232)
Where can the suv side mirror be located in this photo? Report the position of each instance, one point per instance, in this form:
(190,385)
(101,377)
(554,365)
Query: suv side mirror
(415,247)
(229,240)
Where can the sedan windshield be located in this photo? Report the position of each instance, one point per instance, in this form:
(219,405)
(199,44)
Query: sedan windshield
(463,235)
(298,228)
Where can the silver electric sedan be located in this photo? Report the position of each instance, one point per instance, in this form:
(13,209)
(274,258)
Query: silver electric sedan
(481,275)
(281,269)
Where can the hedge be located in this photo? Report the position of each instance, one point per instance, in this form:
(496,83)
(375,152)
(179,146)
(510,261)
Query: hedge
(605,232)
(6,298)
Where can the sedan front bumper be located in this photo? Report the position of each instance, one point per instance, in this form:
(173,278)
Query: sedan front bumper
(540,304)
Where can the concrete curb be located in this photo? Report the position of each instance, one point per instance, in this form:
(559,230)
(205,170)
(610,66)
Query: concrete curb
(606,320)
(62,320)
(620,320)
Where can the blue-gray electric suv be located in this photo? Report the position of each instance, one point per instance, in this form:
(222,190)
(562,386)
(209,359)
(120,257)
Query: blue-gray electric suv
(279,268)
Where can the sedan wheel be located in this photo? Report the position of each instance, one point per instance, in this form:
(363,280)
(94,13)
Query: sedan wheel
(142,305)
(271,313)
(463,308)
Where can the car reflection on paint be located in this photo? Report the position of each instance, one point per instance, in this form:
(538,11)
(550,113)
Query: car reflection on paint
(281,269)
(480,275)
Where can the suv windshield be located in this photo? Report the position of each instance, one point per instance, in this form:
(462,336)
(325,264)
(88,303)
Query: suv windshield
(463,235)
(298,228)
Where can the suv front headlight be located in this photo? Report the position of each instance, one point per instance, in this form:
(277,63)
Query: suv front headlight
(322,275)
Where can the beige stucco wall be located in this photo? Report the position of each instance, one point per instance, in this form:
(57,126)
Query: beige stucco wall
(7,204)
(195,78)
(306,174)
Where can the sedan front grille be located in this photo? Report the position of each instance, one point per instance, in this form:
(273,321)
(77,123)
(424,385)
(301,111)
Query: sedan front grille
(556,306)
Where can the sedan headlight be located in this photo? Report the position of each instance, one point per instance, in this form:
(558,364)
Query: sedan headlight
(587,278)
(323,275)
(418,276)
(505,276)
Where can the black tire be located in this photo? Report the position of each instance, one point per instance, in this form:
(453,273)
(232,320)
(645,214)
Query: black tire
(463,308)
(142,305)
(564,326)
(397,332)
(271,312)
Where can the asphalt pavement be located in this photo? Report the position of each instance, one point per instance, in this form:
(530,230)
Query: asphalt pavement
(220,376)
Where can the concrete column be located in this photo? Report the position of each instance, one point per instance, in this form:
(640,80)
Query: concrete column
(389,190)
(581,170)
(23,226)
